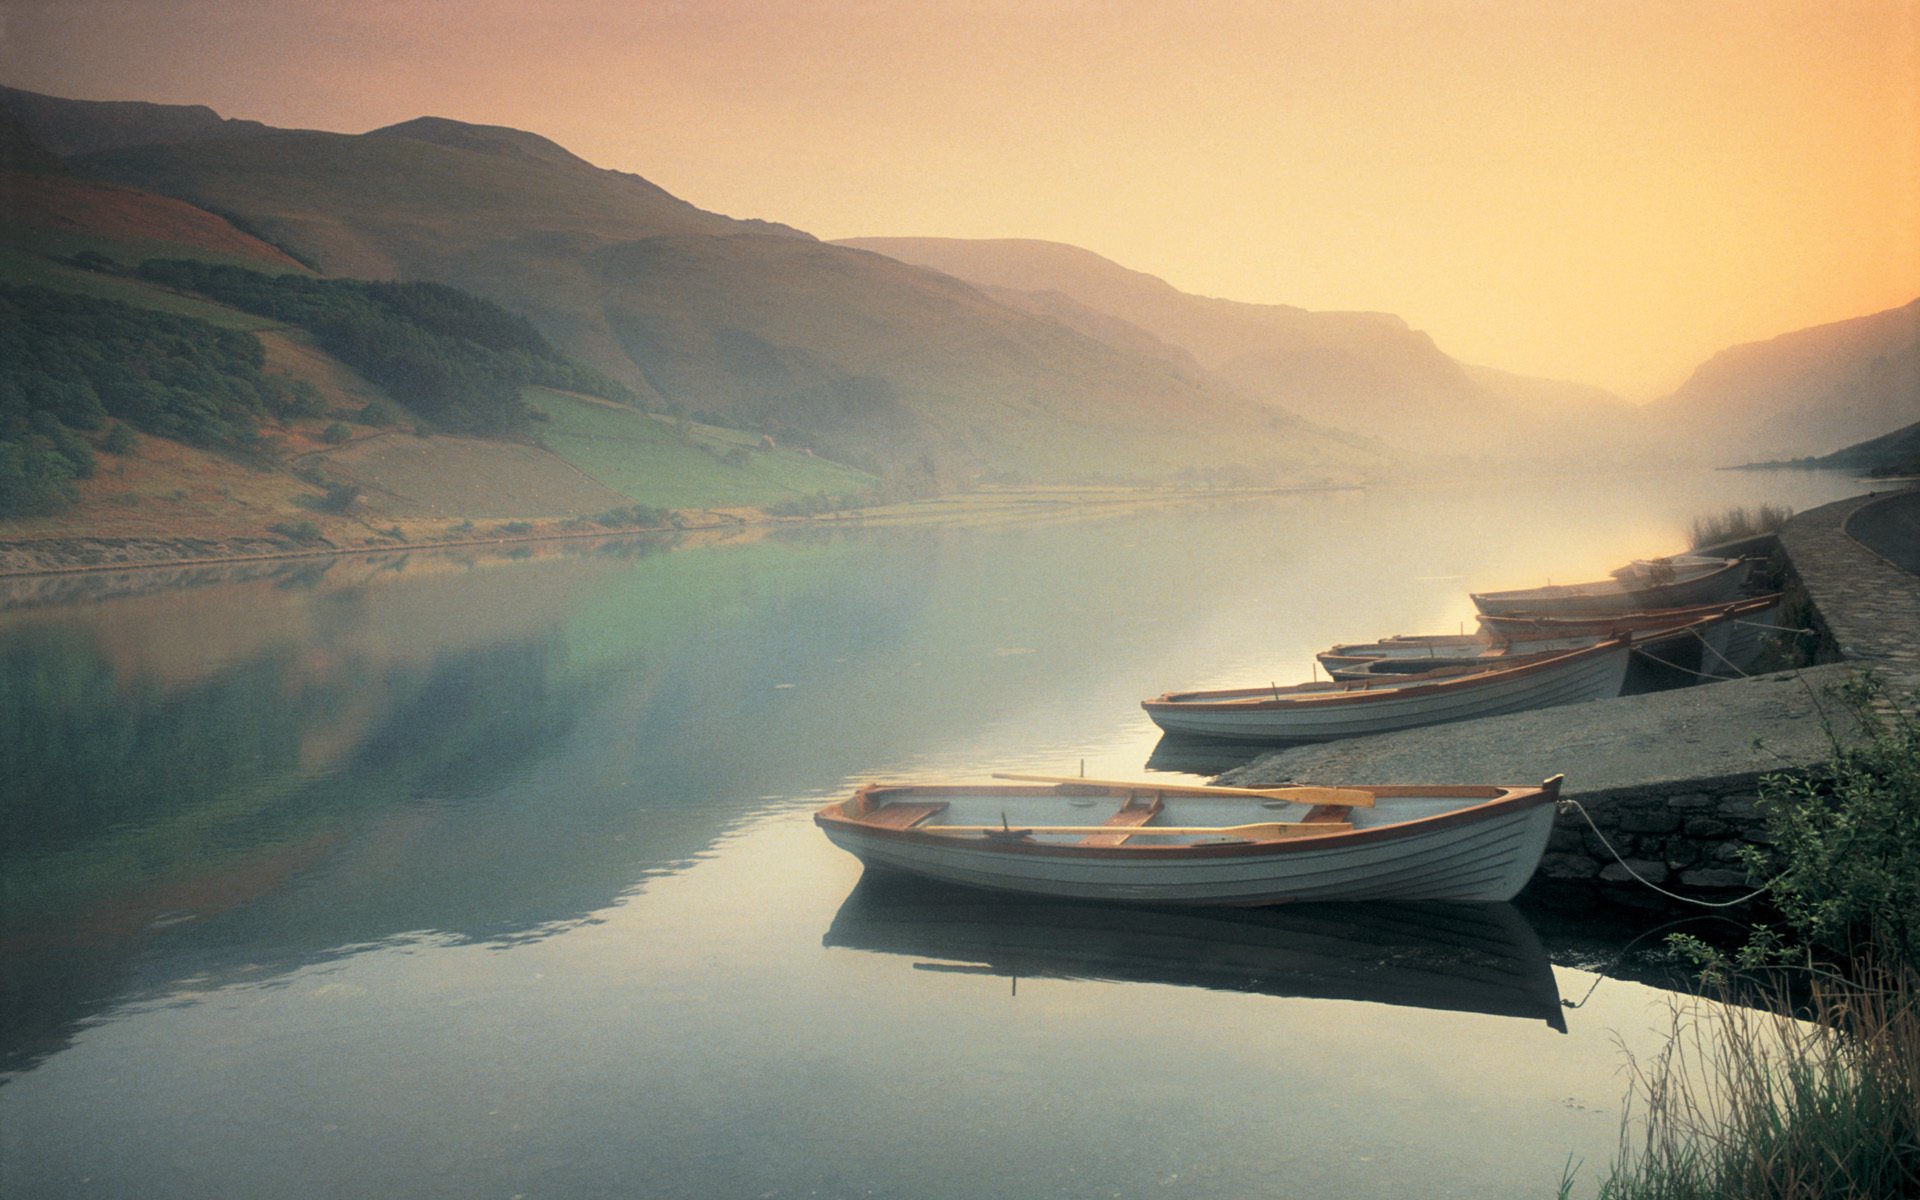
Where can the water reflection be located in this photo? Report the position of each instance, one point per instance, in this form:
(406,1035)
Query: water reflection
(1203,756)
(1482,958)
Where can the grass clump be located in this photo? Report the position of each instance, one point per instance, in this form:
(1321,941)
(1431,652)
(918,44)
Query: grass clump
(1737,523)
(1817,1094)
(1758,1104)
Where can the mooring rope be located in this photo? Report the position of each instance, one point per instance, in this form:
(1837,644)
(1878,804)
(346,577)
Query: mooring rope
(1707,647)
(1764,625)
(1673,666)
(1567,802)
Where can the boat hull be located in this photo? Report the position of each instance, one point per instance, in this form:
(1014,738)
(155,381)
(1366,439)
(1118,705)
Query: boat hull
(1734,646)
(1530,627)
(1692,584)
(1344,710)
(1481,852)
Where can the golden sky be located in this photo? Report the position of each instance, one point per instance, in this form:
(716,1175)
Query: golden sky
(1604,192)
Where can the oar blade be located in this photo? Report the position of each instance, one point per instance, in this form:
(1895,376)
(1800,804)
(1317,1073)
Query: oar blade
(1307,794)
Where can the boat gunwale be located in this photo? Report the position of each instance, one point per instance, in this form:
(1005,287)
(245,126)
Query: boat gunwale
(1606,589)
(1360,691)
(1682,614)
(1507,800)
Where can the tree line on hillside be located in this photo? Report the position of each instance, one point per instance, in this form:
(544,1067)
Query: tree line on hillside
(70,363)
(454,358)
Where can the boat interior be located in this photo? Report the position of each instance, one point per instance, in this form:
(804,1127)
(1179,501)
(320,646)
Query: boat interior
(1100,815)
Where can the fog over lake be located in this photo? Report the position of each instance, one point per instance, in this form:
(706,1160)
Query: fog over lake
(475,874)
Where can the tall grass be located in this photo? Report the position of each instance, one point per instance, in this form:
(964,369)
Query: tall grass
(1749,1104)
(1752,1104)
(1737,523)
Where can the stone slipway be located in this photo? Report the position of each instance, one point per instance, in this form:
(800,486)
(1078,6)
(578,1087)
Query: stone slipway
(1671,777)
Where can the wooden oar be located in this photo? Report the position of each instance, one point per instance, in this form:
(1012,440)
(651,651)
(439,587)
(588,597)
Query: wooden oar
(1343,797)
(1264,831)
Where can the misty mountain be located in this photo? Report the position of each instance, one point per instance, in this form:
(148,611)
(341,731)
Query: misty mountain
(68,127)
(1806,393)
(1365,372)
(855,353)
(1890,453)
(19,151)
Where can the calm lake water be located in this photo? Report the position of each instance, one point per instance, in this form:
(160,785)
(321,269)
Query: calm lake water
(469,876)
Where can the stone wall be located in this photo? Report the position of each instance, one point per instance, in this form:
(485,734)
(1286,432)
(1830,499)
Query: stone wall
(1685,836)
(1670,778)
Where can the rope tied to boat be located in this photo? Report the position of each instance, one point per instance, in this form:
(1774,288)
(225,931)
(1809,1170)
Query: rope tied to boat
(1674,666)
(1569,804)
(1771,628)
(1707,647)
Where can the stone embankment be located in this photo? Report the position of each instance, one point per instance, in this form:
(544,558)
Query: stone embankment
(1670,779)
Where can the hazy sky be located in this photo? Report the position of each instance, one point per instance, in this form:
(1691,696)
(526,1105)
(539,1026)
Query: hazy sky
(1606,192)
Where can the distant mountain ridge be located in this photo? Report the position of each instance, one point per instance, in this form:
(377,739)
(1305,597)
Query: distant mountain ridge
(1806,393)
(999,356)
(68,127)
(1366,372)
(747,321)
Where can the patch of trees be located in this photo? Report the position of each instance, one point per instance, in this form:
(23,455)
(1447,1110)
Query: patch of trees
(69,364)
(454,358)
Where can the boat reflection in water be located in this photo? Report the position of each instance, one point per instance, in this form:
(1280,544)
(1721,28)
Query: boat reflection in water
(1209,757)
(1481,958)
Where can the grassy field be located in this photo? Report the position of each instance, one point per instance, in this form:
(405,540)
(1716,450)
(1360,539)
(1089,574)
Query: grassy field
(668,464)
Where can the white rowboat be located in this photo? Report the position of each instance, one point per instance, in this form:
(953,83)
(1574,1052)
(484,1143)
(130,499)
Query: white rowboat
(1726,628)
(1312,712)
(1698,581)
(1530,626)
(1165,844)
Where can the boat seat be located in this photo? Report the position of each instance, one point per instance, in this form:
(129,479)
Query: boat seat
(1322,813)
(1131,816)
(901,816)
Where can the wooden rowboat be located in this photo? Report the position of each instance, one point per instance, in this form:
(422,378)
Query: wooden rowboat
(1726,628)
(1177,844)
(1529,626)
(1481,958)
(1415,654)
(1701,581)
(1314,712)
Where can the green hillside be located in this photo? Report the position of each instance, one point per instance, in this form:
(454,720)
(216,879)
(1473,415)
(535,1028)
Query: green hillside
(865,359)
(674,463)
(298,404)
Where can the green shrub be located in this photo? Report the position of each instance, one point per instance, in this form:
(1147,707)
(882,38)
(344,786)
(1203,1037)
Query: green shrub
(1844,866)
(336,434)
(79,359)
(296,531)
(378,413)
(338,498)
(121,439)
(35,479)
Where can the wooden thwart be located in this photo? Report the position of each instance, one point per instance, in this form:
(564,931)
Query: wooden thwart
(1303,794)
(902,816)
(1130,817)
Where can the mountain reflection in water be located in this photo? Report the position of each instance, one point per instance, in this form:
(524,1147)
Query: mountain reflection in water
(1481,958)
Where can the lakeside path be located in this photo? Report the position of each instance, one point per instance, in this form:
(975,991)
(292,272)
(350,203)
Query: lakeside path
(1677,769)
